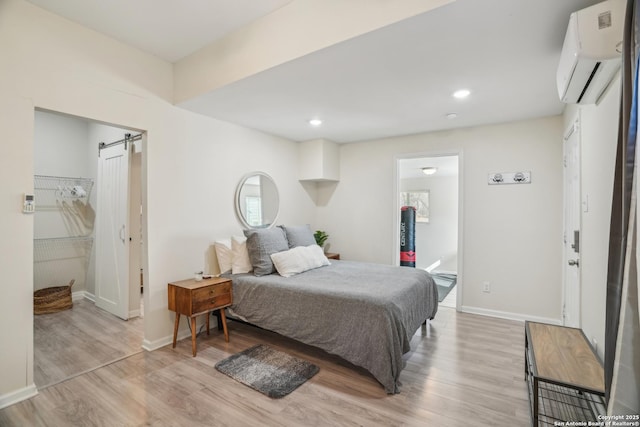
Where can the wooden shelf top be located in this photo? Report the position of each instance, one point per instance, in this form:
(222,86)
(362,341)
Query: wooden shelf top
(194,284)
(564,355)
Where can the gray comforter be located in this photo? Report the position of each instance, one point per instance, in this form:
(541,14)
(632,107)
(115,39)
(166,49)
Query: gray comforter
(365,313)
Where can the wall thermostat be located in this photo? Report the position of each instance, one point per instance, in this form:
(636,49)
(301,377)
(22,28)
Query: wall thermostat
(29,205)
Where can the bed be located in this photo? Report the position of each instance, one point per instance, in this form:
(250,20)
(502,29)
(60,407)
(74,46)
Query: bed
(365,313)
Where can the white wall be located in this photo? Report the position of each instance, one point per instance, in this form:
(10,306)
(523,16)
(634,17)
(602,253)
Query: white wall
(60,146)
(60,150)
(512,234)
(191,165)
(437,240)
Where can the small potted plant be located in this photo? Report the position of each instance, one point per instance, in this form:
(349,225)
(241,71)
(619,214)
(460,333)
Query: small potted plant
(321,237)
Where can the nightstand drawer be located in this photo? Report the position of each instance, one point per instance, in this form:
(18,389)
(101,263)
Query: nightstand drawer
(211,291)
(211,297)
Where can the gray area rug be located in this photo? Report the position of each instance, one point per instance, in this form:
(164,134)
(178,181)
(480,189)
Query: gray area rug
(445,282)
(268,371)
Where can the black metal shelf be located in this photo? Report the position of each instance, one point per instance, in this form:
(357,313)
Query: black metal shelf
(553,402)
(560,404)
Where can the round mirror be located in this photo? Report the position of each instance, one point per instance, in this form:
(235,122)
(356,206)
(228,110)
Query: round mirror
(257,200)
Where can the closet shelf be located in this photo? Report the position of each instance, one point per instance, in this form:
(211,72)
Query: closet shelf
(62,239)
(50,190)
(58,248)
(59,260)
(63,210)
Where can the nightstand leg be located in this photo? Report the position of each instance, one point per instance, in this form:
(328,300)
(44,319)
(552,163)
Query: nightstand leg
(193,335)
(224,324)
(208,316)
(175,329)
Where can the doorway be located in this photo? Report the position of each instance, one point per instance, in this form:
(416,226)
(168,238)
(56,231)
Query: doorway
(82,338)
(431,183)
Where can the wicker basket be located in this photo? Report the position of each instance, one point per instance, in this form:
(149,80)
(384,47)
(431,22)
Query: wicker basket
(52,300)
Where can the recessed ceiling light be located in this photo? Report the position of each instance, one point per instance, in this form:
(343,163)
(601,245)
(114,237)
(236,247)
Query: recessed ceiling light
(430,170)
(315,122)
(462,93)
(451,116)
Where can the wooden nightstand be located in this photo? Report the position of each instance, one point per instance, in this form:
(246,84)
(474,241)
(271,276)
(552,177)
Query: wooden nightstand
(332,255)
(193,298)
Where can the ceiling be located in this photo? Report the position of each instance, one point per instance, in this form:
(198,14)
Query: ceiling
(396,80)
(168,29)
(446,166)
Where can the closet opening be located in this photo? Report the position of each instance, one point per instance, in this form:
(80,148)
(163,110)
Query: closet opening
(78,190)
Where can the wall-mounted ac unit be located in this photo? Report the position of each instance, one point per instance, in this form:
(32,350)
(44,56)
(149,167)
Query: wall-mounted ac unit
(591,54)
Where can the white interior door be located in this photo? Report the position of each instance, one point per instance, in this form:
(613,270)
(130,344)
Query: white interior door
(572,206)
(112,231)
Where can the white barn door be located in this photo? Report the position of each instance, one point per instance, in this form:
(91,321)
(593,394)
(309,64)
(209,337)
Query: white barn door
(112,231)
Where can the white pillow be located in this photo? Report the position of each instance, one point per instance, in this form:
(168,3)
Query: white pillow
(299,259)
(223,253)
(240,262)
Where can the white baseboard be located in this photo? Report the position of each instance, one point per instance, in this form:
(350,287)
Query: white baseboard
(444,272)
(18,396)
(508,315)
(156,344)
(76,296)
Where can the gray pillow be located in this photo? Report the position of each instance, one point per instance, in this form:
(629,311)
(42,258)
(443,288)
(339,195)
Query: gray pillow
(261,243)
(299,235)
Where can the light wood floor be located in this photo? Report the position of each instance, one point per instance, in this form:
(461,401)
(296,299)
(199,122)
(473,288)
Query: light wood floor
(71,342)
(463,370)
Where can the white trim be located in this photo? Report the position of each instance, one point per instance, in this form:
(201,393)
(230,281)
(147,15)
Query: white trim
(18,396)
(395,205)
(460,254)
(508,315)
(166,340)
(436,271)
(77,296)
(80,295)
